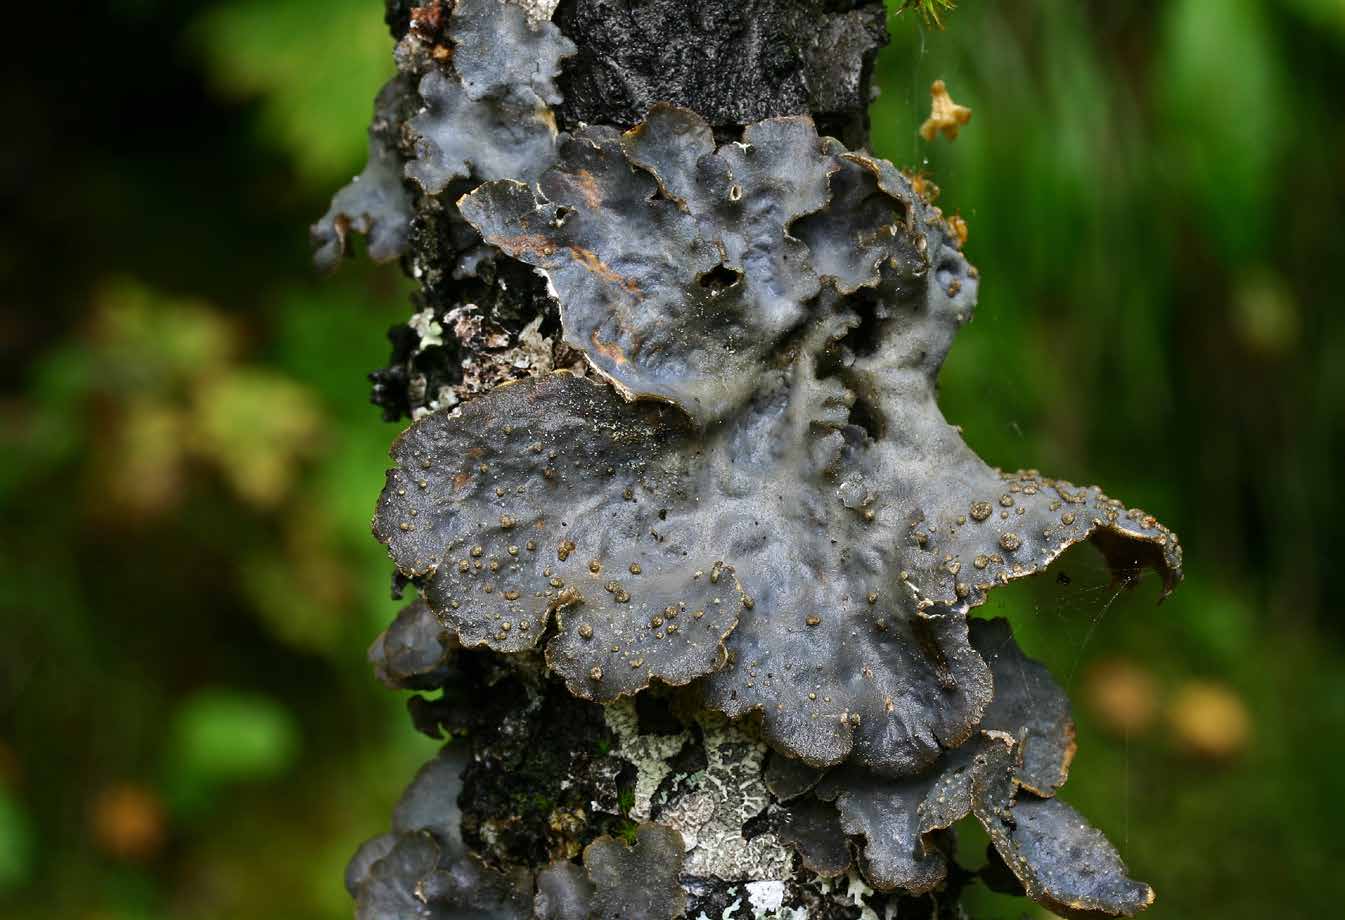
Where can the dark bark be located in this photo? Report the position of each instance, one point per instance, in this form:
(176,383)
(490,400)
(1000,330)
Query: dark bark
(731,61)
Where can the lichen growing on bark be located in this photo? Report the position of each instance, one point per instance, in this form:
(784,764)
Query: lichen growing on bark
(696,552)
(375,203)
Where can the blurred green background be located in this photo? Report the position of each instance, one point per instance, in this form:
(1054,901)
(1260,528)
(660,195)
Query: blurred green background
(188,728)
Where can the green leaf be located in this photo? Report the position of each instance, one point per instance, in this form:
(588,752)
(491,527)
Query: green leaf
(227,736)
(1329,14)
(1222,91)
(315,67)
(16,843)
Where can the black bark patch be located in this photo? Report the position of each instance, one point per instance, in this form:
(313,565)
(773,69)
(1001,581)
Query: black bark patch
(539,760)
(733,61)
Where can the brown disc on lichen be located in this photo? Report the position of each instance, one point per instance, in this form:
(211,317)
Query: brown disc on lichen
(1029,706)
(639,880)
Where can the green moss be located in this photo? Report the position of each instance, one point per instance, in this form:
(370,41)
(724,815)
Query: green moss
(627,832)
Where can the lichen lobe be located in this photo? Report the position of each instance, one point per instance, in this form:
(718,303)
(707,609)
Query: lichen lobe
(375,203)
(487,110)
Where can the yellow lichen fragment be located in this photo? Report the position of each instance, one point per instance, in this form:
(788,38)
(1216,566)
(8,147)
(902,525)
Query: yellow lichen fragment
(944,114)
(958,225)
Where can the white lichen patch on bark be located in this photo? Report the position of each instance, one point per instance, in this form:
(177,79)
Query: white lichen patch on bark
(766,896)
(709,807)
(649,754)
(491,354)
(765,901)
(428,328)
(718,801)
(852,887)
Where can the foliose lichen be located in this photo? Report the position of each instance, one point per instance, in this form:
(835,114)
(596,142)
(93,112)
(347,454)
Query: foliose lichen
(761,526)
(900,826)
(376,203)
(698,458)
(487,114)
(422,869)
(415,652)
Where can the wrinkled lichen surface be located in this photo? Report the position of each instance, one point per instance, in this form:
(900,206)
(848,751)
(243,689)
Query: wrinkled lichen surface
(696,552)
